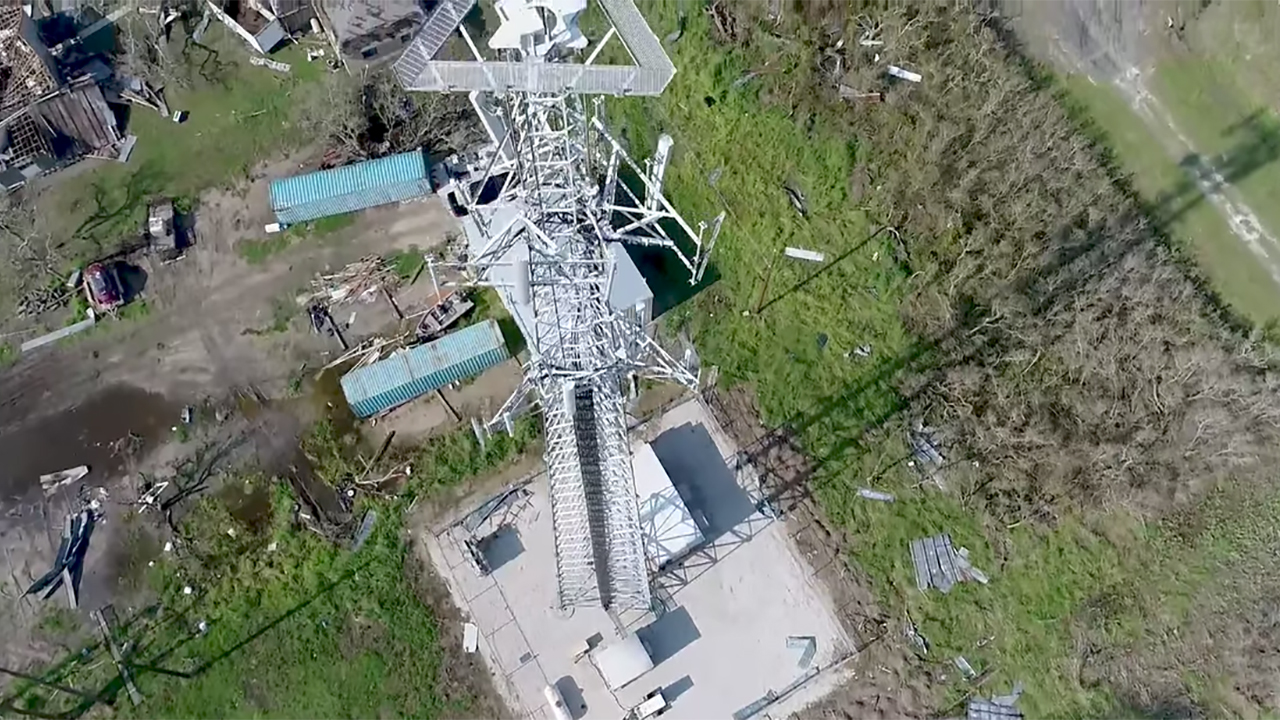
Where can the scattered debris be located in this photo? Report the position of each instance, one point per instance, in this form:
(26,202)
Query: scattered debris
(808,647)
(746,78)
(68,564)
(366,529)
(925,448)
(127,145)
(470,637)
(907,75)
(116,655)
(313,53)
(202,627)
(967,570)
(851,93)
(939,565)
(823,339)
(272,228)
(186,590)
(150,499)
(797,200)
(188,414)
(46,298)
(168,547)
(870,494)
(802,254)
(1001,707)
(861,351)
(180,116)
(273,64)
(912,634)
(965,668)
(360,280)
(714,177)
(52,481)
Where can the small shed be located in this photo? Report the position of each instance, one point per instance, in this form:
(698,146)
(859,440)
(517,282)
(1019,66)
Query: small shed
(622,662)
(667,527)
(417,371)
(387,180)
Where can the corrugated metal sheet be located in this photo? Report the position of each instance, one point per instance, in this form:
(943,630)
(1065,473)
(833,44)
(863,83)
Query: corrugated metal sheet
(354,187)
(412,373)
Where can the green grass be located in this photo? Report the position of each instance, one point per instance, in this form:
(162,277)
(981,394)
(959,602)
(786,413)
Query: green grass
(1230,267)
(8,354)
(407,263)
(1047,581)
(257,252)
(297,627)
(239,117)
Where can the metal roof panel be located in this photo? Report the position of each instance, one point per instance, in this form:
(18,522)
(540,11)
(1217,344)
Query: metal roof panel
(348,180)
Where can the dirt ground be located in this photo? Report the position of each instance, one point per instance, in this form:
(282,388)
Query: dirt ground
(207,341)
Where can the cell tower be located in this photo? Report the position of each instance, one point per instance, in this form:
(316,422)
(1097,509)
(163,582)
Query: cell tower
(545,215)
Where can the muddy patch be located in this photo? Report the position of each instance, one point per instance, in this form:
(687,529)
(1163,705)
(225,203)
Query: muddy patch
(92,433)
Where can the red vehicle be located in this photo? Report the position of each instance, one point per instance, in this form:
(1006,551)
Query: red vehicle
(102,286)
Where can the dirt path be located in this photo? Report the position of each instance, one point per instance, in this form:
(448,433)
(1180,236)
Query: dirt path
(1113,43)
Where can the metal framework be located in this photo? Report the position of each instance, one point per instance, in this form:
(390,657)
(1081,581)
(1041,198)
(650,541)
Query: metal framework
(543,242)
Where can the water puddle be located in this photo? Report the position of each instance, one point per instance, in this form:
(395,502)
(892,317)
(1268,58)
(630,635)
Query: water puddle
(86,434)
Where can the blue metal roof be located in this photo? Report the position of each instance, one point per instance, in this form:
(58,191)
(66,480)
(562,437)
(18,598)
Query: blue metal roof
(410,167)
(409,374)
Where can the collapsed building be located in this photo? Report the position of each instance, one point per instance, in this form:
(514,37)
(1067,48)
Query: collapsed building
(46,121)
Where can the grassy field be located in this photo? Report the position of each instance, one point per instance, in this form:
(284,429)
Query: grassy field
(296,627)
(1108,578)
(238,116)
(1228,264)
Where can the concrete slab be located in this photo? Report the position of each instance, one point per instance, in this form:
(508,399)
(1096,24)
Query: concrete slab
(722,643)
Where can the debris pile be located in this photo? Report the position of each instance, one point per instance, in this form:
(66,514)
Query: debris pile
(360,280)
(42,300)
(68,564)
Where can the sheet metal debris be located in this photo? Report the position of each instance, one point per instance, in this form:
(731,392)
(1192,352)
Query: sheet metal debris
(1001,707)
(912,634)
(802,254)
(808,647)
(964,667)
(366,529)
(470,637)
(68,564)
(877,495)
(939,565)
(273,64)
(907,75)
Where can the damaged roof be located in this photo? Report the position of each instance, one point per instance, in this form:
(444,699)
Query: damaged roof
(24,76)
(80,116)
(358,18)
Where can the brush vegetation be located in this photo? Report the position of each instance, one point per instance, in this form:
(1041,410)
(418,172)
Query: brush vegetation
(1110,429)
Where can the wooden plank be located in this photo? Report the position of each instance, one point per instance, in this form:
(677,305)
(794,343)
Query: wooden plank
(134,696)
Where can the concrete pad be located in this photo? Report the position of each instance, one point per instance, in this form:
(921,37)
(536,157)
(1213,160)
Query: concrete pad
(721,647)
(489,611)
(510,648)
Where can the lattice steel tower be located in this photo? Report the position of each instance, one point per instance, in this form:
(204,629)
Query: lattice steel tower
(544,214)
